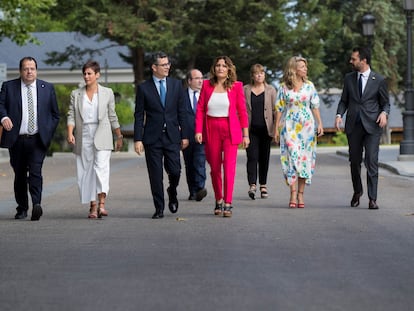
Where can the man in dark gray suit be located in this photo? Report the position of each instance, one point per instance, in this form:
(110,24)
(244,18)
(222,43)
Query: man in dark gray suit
(365,100)
(160,127)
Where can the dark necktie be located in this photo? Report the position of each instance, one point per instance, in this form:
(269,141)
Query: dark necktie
(195,101)
(162,92)
(30,107)
(360,85)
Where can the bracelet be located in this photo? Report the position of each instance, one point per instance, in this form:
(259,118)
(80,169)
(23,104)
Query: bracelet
(120,136)
(245,136)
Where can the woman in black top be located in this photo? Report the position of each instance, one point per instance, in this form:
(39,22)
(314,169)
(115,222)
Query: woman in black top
(260,102)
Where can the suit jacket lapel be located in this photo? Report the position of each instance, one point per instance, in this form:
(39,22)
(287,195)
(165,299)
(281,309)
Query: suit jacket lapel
(155,92)
(355,84)
(187,100)
(101,103)
(19,98)
(369,82)
(79,99)
(249,96)
(40,87)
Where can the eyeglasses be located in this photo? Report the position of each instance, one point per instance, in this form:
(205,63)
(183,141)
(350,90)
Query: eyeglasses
(164,65)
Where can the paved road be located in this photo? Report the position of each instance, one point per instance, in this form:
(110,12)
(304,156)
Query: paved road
(328,256)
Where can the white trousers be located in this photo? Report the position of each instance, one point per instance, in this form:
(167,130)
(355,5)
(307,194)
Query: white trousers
(92,167)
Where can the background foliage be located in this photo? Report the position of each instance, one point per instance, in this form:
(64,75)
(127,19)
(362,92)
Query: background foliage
(194,32)
(18,18)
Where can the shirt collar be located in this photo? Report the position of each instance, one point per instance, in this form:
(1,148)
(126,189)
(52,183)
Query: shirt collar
(156,80)
(31,84)
(365,74)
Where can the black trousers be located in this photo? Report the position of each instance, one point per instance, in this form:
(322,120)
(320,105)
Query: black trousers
(195,167)
(359,141)
(157,154)
(258,154)
(26,158)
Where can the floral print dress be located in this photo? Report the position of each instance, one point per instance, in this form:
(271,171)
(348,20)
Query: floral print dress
(297,131)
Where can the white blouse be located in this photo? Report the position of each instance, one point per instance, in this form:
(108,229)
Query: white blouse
(218,105)
(90,109)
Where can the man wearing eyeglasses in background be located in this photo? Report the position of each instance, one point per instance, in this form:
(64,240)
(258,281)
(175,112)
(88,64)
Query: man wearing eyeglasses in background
(160,128)
(194,155)
(29,115)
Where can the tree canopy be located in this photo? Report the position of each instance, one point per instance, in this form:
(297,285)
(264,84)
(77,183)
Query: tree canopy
(194,32)
(18,18)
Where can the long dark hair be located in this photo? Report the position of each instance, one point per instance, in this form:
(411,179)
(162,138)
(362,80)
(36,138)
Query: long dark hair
(231,76)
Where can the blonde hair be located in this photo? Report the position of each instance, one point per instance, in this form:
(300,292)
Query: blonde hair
(289,74)
(254,69)
(231,75)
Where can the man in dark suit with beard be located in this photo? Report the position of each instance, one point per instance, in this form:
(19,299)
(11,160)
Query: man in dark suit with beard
(29,115)
(366,102)
(161,129)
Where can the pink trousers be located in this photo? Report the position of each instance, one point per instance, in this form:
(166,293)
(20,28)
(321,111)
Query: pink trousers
(221,152)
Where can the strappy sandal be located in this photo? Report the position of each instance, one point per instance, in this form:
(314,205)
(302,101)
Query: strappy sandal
(300,205)
(218,210)
(227,211)
(101,210)
(291,203)
(263,192)
(252,191)
(93,211)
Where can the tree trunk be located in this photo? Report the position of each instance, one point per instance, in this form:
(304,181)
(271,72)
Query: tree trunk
(138,64)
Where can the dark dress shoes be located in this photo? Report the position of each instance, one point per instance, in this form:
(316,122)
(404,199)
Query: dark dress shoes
(173,202)
(191,197)
(373,204)
(21,214)
(355,199)
(37,212)
(158,214)
(201,194)
(173,206)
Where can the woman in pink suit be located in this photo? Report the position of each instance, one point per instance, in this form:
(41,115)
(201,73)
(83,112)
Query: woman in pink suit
(222,124)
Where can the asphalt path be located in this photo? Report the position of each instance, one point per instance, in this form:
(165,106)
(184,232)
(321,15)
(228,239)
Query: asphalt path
(327,256)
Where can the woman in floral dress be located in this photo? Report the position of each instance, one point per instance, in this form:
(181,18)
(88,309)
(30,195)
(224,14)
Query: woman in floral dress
(297,108)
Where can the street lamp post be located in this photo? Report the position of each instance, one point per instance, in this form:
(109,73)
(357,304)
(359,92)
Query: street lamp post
(407,144)
(368,23)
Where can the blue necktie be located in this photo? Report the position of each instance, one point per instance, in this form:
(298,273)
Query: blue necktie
(162,92)
(195,101)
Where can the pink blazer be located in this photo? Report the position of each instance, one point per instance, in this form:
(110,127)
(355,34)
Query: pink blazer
(238,118)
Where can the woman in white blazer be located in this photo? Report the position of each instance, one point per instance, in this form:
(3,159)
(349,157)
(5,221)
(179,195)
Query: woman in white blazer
(90,120)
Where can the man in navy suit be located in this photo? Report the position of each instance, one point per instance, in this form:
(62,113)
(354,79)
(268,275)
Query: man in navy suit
(365,100)
(194,154)
(29,115)
(160,127)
